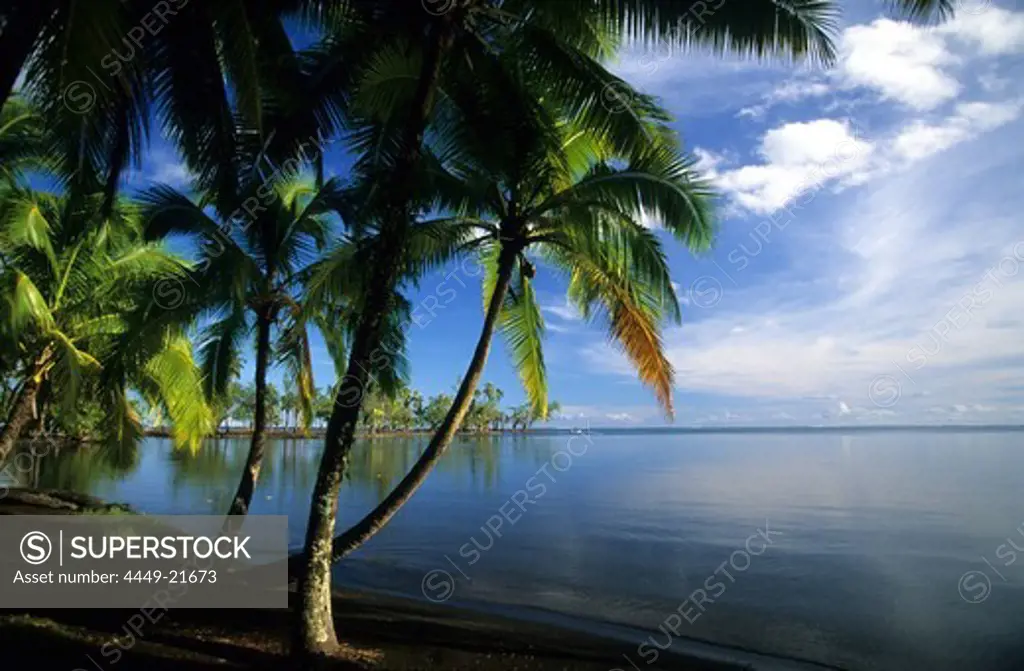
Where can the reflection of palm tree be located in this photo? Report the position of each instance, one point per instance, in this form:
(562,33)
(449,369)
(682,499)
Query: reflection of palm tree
(79,469)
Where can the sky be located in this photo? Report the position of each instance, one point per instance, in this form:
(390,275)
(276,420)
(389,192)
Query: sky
(867,268)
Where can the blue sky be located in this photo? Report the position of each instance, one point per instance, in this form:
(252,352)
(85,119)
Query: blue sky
(867,270)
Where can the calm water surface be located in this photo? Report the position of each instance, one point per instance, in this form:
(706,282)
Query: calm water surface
(871,533)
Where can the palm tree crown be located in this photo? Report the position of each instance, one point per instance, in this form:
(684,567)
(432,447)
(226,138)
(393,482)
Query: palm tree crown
(78,293)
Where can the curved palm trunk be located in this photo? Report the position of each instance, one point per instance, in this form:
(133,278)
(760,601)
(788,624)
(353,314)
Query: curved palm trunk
(254,462)
(385,510)
(22,412)
(315,634)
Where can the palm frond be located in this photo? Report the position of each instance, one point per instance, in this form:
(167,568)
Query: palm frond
(293,348)
(522,326)
(70,367)
(26,305)
(220,348)
(174,377)
(603,286)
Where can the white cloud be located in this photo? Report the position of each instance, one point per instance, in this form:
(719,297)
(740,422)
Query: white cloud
(799,144)
(597,415)
(797,157)
(919,66)
(790,91)
(994,31)
(564,311)
(902,61)
(708,162)
(919,140)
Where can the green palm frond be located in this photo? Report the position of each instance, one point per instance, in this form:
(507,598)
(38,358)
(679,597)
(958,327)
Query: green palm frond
(238,53)
(145,263)
(335,338)
(96,126)
(23,142)
(659,184)
(926,8)
(293,348)
(26,305)
(124,428)
(386,86)
(522,326)
(173,375)
(70,366)
(755,28)
(193,103)
(82,320)
(23,223)
(220,349)
(435,243)
(338,276)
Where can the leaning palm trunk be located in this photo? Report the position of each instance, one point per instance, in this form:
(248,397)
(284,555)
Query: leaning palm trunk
(385,510)
(22,411)
(254,462)
(315,626)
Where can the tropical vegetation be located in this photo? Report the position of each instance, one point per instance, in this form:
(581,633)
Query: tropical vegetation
(406,411)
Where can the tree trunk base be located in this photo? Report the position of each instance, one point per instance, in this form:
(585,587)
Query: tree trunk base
(320,657)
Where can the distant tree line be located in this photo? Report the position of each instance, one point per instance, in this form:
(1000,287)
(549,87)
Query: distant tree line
(405,411)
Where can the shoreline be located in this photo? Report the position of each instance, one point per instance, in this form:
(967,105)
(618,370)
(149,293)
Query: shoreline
(375,632)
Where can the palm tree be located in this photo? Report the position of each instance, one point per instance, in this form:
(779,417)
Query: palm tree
(532,416)
(196,68)
(434,411)
(273,406)
(323,405)
(578,208)
(290,405)
(557,44)
(77,289)
(245,403)
(520,416)
(250,280)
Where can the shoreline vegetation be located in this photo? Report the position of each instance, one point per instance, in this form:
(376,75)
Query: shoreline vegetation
(319,432)
(402,413)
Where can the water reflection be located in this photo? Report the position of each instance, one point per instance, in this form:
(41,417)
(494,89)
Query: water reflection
(208,475)
(876,529)
(72,468)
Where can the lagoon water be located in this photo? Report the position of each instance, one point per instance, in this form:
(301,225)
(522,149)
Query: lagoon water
(868,549)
